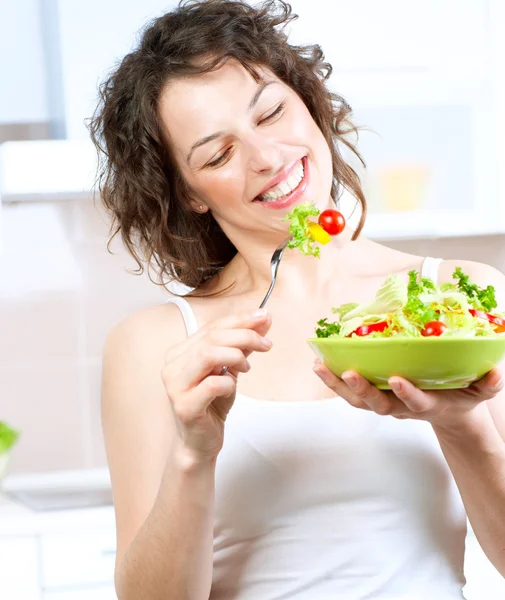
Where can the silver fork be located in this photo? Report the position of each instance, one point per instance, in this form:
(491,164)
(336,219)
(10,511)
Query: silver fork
(274,267)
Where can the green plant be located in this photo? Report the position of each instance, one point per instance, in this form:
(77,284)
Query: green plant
(8,437)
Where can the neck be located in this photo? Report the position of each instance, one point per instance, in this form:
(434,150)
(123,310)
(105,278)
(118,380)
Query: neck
(250,269)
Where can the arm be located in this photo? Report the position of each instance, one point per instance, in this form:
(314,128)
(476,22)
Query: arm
(469,424)
(163,499)
(171,555)
(475,452)
(164,410)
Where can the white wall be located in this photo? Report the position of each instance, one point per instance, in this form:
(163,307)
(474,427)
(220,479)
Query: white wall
(89,37)
(23,93)
(94,35)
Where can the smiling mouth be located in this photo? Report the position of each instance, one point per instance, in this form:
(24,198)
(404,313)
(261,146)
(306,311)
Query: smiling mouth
(287,191)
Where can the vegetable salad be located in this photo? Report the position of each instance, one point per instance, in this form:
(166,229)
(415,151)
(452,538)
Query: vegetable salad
(420,309)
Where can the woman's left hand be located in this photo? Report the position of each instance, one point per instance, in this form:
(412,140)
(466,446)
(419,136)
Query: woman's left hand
(440,407)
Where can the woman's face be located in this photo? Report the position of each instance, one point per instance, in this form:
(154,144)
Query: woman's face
(248,151)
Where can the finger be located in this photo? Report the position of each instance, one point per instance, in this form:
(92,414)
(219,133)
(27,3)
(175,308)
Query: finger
(337,385)
(192,405)
(252,337)
(488,386)
(245,340)
(377,400)
(211,359)
(416,400)
(258,321)
(193,367)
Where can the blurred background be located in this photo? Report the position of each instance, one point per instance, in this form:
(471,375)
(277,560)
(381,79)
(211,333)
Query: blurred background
(426,81)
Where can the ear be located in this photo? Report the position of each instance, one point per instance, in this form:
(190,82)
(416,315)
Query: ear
(198,206)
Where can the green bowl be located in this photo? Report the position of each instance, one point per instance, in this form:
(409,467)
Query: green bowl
(429,363)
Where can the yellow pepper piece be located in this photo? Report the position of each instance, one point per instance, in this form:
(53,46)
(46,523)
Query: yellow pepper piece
(318,233)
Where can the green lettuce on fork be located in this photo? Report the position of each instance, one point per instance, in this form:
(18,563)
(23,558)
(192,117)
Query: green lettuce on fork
(306,233)
(299,228)
(420,309)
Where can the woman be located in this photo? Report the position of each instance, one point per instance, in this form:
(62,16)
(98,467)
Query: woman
(316,487)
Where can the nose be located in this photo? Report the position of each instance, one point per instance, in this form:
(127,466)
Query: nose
(265,155)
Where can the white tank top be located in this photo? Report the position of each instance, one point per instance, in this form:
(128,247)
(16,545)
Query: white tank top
(316,500)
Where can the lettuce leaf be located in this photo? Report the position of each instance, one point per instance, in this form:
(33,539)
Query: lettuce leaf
(326,329)
(481,298)
(391,296)
(342,310)
(298,228)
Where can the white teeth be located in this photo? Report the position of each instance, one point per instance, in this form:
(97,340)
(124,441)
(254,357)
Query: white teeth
(293,181)
(285,187)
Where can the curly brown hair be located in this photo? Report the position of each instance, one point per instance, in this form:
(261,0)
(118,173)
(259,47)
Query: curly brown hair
(138,179)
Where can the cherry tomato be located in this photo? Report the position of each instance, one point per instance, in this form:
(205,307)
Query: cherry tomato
(332,221)
(318,233)
(433,328)
(498,322)
(367,329)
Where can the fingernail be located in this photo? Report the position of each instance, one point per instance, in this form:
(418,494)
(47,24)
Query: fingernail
(352,382)
(321,374)
(498,385)
(266,342)
(317,361)
(396,386)
(260,313)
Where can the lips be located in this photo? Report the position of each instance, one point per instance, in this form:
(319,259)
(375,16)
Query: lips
(283,175)
(293,196)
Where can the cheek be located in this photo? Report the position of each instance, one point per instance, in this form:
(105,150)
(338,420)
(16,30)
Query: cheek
(221,188)
(322,155)
(302,126)
(308,133)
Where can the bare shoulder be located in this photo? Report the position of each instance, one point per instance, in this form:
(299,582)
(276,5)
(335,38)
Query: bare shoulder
(396,261)
(136,417)
(384,260)
(146,331)
(480,273)
(133,358)
(134,355)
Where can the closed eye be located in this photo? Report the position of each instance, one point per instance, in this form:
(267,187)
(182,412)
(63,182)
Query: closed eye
(276,112)
(219,159)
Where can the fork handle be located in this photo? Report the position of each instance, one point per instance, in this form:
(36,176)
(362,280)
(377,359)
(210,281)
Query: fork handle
(267,295)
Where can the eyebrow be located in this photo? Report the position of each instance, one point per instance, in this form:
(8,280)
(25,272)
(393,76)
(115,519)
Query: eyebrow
(213,136)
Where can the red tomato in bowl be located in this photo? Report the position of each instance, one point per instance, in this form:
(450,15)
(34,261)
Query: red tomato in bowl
(364,330)
(433,328)
(332,221)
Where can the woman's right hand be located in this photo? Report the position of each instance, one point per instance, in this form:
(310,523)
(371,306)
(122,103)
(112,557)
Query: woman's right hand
(199,396)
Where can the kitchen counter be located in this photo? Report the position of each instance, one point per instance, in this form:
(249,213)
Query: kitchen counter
(62,554)
(18,519)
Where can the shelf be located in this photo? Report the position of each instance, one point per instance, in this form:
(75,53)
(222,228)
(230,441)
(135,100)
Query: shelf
(46,170)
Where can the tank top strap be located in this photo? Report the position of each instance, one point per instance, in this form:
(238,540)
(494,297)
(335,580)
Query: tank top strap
(187,312)
(430,268)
